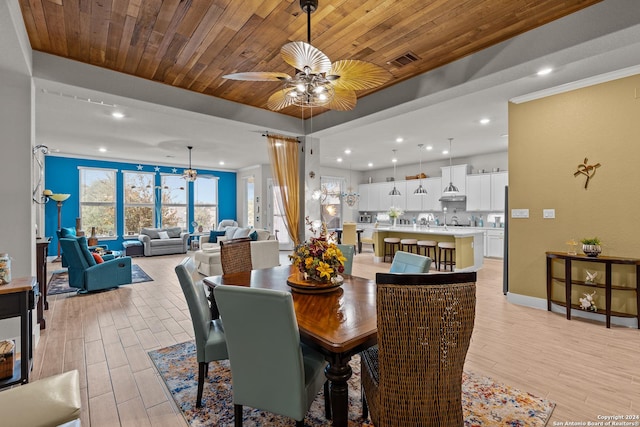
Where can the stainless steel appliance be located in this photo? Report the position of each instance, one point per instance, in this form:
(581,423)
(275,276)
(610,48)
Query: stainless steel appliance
(365,218)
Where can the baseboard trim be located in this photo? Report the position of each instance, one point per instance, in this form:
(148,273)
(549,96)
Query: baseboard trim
(541,304)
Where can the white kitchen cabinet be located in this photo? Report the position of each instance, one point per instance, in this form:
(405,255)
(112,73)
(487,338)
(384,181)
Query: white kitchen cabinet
(499,180)
(364,204)
(495,243)
(431,202)
(414,202)
(479,192)
(457,174)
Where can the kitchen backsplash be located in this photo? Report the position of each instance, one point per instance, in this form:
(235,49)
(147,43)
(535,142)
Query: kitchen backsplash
(453,216)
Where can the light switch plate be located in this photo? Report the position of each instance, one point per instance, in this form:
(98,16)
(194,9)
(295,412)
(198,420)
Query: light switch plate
(548,213)
(519,213)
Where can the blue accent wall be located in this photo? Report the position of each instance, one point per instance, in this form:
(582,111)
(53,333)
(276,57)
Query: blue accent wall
(62,176)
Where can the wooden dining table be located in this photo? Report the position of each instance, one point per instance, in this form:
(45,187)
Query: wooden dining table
(338,324)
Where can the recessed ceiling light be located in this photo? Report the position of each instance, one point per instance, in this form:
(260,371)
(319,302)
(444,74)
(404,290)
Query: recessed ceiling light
(339,159)
(102,150)
(117,115)
(485,121)
(370,164)
(221,162)
(429,148)
(347,151)
(445,151)
(399,139)
(394,160)
(504,135)
(544,71)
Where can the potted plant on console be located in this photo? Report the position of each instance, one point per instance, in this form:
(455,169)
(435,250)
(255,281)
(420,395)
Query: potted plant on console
(591,247)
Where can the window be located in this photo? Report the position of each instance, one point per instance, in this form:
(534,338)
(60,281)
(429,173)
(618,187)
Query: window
(173,201)
(249,205)
(98,200)
(139,201)
(205,202)
(330,202)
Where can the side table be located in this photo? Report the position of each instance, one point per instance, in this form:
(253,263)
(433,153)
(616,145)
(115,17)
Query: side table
(17,300)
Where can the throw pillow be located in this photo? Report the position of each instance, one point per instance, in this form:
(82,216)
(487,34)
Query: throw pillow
(229,232)
(241,233)
(253,235)
(151,232)
(174,231)
(97,257)
(214,234)
(263,234)
(163,235)
(82,242)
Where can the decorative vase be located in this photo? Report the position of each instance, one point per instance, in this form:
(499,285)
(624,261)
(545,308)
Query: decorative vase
(395,222)
(591,250)
(93,239)
(200,228)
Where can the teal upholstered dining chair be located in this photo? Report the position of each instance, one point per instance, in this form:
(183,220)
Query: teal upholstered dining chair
(405,262)
(210,337)
(348,251)
(270,368)
(86,274)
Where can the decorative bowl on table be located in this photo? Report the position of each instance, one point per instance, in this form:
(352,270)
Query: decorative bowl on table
(298,283)
(591,247)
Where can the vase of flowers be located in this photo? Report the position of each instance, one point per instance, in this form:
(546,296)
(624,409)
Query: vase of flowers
(591,247)
(319,259)
(394,213)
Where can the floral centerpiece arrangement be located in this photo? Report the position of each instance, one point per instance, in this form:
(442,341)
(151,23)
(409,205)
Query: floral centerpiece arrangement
(319,259)
(394,213)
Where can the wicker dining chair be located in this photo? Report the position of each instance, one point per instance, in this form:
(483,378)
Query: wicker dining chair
(413,377)
(235,256)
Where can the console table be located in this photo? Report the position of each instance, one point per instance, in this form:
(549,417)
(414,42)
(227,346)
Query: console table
(42,247)
(608,284)
(17,300)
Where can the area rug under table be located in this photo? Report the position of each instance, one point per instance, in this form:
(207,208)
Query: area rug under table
(59,282)
(485,402)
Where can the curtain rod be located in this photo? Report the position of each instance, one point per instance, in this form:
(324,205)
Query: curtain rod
(266,133)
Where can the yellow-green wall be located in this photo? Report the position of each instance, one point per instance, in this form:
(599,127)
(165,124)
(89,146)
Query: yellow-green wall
(548,139)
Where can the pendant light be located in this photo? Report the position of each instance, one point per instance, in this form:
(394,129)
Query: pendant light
(395,191)
(190,174)
(350,197)
(450,189)
(420,191)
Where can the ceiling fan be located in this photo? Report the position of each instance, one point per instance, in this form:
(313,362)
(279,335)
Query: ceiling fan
(317,82)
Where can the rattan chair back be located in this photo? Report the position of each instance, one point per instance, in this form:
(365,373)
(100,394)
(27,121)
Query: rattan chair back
(235,256)
(424,324)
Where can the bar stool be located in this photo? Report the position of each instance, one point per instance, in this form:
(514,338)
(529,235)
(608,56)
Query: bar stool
(448,251)
(408,245)
(428,246)
(391,245)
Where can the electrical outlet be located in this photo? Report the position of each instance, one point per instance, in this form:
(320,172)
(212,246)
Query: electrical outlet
(548,213)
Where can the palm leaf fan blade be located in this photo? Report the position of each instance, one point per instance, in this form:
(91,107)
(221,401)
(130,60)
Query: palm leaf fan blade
(358,75)
(281,99)
(300,55)
(343,100)
(259,76)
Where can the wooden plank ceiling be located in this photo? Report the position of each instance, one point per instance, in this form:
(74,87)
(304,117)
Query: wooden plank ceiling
(192,43)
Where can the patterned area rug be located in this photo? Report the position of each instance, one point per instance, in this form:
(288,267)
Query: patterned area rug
(485,402)
(59,282)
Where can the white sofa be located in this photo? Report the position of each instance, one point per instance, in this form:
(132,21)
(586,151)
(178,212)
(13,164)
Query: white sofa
(176,243)
(265,251)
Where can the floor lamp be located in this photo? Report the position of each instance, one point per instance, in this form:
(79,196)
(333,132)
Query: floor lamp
(59,198)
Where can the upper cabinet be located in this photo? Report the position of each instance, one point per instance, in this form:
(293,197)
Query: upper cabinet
(457,174)
(479,192)
(375,197)
(499,180)
(485,192)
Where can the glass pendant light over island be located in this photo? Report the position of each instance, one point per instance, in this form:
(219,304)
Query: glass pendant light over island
(420,191)
(450,190)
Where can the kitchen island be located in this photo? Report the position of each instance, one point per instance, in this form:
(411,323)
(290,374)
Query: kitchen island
(469,243)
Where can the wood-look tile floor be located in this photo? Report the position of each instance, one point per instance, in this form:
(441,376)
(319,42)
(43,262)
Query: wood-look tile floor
(588,370)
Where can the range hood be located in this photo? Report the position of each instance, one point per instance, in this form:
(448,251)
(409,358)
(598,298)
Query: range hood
(453,198)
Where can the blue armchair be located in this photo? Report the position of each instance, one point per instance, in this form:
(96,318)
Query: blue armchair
(70,232)
(86,274)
